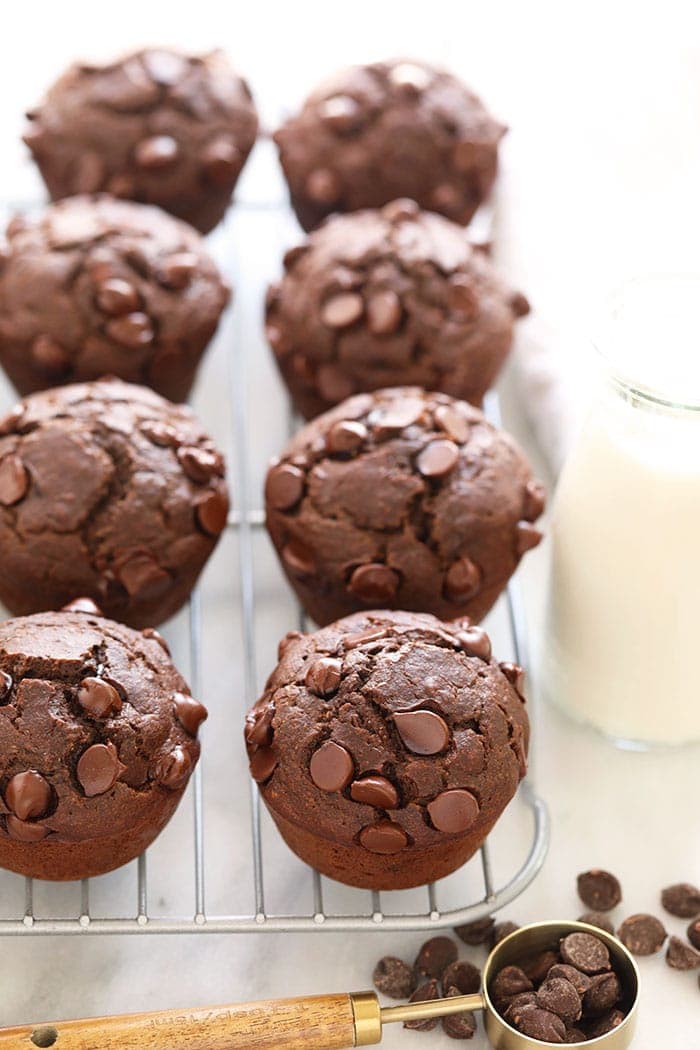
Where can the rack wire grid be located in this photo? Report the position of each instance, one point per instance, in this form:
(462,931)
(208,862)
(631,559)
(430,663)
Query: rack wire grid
(370,911)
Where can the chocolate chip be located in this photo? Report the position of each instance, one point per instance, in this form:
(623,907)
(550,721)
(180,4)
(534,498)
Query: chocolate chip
(6,684)
(28,795)
(507,983)
(599,919)
(599,890)
(211,512)
(384,312)
(601,996)
(342,113)
(133,330)
(221,160)
(461,1025)
(178,270)
(585,952)
(83,605)
(331,767)
(435,956)
(399,414)
(343,310)
(605,1024)
(438,458)
(537,968)
(99,769)
(534,502)
(560,997)
(680,956)
(408,77)
(263,764)
(159,151)
(290,258)
(453,811)
(298,558)
(189,712)
(156,636)
(423,994)
(10,422)
(199,464)
(575,1035)
(49,355)
(515,1007)
(370,637)
(463,976)
(541,1024)
(141,575)
(515,675)
(346,436)
(475,642)
(526,537)
(681,899)
(477,932)
(284,486)
(384,838)
(99,698)
(453,422)
(161,434)
(334,385)
(375,583)
(173,769)
(164,67)
(323,186)
(323,676)
(401,210)
(258,726)
(502,930)
(422,732)
(116,296)
(580,981)
(642,934)
(374,790)
(394,978)
(23,831)
(462,580)
(14,480)
(693,933)
(462,297)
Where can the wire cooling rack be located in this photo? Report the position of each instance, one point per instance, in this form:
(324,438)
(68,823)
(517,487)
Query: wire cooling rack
(143,912)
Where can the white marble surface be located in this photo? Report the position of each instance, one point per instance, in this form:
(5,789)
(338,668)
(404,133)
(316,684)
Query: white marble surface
(599,183)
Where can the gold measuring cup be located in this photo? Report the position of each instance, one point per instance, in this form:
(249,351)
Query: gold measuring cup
(329,1022)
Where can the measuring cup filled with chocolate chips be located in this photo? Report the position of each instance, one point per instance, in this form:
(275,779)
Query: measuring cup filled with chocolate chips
(547,983)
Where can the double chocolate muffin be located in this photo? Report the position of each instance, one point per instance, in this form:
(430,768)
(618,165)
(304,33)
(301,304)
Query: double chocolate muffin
(106,490)
(379,298)
(93,286)
(391,129)
(156,126)
(401,499)
(387,745)
(98,737)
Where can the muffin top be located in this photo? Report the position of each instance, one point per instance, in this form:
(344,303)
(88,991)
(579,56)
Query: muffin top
(107,489)
(404,499)
(95,724)
(385,296)
(157,126)
(390,129)
(389,730)
(94,286)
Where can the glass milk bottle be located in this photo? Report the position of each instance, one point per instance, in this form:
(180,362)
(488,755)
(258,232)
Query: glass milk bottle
(623,631)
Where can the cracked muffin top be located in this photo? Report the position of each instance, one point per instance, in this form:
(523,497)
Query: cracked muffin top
(96,725)
(401,499)
(156,125)
(109,491)
(391,129)
(390,296)
(389,731)
(93,286)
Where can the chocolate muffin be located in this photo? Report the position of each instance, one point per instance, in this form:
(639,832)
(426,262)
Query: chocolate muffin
(379,298)
(106,490)
(387,745)
(94,286)
(156,126)
(98,737)
(401,499)
(391,129)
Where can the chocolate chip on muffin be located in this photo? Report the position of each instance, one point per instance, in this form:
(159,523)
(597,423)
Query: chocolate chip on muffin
(110,492)
(156,126)
(92,287)
(384,297)
(370,783)
(94,750)
(391,129)
(420,515)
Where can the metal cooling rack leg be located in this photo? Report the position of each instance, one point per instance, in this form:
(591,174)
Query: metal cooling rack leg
(195,617)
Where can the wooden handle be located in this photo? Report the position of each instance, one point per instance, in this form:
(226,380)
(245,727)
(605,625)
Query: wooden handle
(323,1022)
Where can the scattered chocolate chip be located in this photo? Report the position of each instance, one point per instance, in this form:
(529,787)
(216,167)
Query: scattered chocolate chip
(681,956)
(477,932)
(14,480)
(507,983)
(173,769)
(453,811)
(422,732)
(475,642)
(424,993)
(99,698)
(515,675)
(462,297)
(560,997)
(682,899)
(438,458)
(642,934)
(603,993)
(586,952)
(375,583)
(534,504)
(384,312)
(331,767)
(155,636)
(435,956)
(211,512)
(6,684)
(178,270)
(133,330)
(221,160)
(526,537)
(599,919)
(10,422)
(463,976)
(374,790)
(258,726)
(298,558)
(199,464)
(599,890)
(83,605)
(462,579)
(394,978)
(99,769)
(383,838)
(502,930)
(461,1025)
(323,676)
(453,422)
(399,414)
(346,436)
(284,486)
(159,151)
(342,113)
(24,831)
(116,296)
(342,310)
(189,712)
(580,981)
(161,434)
(141,575)
(263,764)
(28,795)
(693,933)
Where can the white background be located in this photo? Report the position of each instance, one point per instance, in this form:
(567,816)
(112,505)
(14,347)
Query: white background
(600,182)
